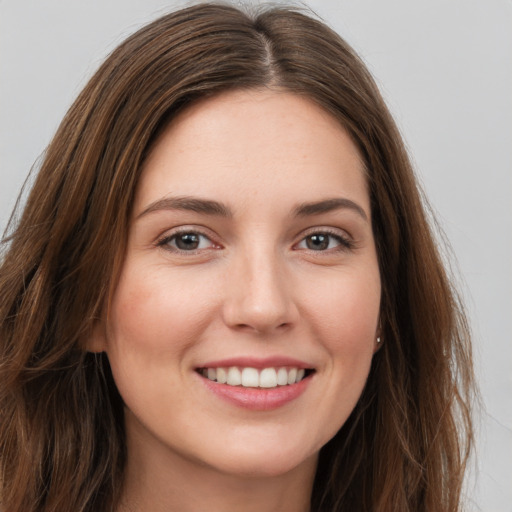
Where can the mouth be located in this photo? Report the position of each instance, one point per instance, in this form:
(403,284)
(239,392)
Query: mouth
(249,377)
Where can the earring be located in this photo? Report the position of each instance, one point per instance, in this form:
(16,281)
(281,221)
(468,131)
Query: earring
(378,339)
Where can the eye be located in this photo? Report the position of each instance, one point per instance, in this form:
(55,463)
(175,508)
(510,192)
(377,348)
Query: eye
(186,241)
(324,241)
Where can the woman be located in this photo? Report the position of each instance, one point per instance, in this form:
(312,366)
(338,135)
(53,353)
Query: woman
(223,290)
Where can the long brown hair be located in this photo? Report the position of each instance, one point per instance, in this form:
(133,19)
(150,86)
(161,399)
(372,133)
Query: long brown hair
(62,443)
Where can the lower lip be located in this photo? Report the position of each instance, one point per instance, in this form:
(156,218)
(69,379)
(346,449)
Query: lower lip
(258,399)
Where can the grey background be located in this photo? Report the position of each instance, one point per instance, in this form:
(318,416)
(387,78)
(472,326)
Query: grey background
(445,68)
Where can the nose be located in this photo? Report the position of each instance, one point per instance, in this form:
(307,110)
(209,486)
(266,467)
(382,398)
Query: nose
(260,296)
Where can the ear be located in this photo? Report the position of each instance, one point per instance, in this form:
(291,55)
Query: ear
(97,340)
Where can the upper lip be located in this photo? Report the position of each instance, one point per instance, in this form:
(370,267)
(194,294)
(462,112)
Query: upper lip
(256,362)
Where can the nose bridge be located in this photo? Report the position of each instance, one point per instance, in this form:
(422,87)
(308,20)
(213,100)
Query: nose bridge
(260,296)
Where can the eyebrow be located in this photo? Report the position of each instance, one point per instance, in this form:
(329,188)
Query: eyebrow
(329,205)
(191,204)
(211,207)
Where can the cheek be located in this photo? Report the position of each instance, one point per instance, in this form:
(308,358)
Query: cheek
(342,313)
(345,317)
(154,318)
(346,308)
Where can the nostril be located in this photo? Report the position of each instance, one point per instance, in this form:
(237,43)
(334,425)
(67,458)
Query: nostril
(263,327)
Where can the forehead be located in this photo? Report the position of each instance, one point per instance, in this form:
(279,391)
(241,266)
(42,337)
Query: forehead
(256,143)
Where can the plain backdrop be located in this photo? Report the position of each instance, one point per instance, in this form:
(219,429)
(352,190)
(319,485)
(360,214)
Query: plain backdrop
(445,68)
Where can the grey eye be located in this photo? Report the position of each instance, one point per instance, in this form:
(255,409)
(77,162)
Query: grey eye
(325,241)
(187,241)
(322,242)
(318,242)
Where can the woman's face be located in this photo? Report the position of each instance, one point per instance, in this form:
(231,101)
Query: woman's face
(250,265)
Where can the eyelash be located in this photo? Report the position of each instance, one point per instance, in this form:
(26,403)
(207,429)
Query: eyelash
(167,239)
(345,243)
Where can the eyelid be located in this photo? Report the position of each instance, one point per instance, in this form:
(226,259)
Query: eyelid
(164,239)
(345,240)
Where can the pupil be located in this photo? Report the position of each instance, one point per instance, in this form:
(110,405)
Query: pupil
(317,242)
(187,241)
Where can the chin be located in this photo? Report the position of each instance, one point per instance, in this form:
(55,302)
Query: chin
(266,462)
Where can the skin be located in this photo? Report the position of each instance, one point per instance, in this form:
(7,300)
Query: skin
(253,287)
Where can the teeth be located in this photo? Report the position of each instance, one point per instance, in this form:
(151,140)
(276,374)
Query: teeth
(268,378)
(250,378)
(234,376)
(254,378)
(222,375)
(282,377)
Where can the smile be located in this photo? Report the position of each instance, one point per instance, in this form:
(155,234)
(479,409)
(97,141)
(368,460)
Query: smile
(249,377)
